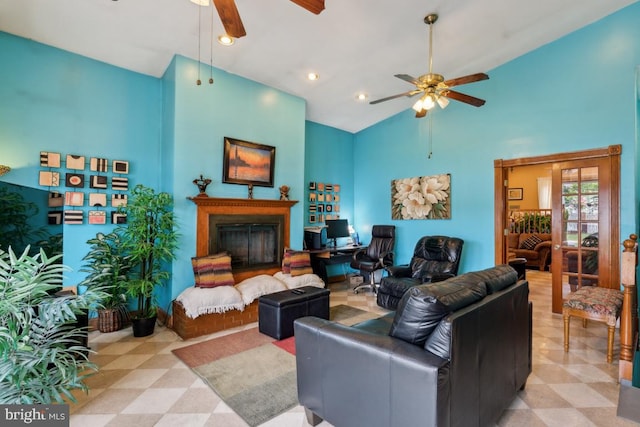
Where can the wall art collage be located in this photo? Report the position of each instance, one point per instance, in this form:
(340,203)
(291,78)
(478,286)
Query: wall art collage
(324,202)
(77,183)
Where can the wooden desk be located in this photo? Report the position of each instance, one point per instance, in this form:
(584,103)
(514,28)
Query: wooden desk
(331,255)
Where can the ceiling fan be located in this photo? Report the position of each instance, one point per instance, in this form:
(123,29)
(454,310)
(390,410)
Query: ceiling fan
(233,24)
(435,89)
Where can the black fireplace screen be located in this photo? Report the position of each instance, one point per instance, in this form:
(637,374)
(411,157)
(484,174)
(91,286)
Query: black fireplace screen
(252,241)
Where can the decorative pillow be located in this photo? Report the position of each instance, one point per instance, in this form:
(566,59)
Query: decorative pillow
(255,287)
(423,307)
(300,263)
(530,242)
(199,301)
(286,261)
(299,281)
(213,270)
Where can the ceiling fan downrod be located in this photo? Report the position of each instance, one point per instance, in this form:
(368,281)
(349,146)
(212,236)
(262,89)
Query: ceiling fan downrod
(430,20)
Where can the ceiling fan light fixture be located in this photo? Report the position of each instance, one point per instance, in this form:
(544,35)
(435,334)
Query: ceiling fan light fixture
(200,2)
(226,40)
(443,102)
(418,106)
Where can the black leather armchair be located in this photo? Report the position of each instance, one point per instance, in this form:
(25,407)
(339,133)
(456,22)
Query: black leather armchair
(376,256)
(435,258)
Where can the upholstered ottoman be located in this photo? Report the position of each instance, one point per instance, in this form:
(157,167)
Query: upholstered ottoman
(593,303)
(277,311)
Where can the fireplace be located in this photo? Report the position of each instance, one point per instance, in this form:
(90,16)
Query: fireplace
(253,241)
(254,231)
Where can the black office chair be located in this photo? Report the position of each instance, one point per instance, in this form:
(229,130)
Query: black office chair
(376,256)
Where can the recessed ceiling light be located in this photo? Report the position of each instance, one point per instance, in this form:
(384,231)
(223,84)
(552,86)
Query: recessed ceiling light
(313,76)
(226,40)
(362,96)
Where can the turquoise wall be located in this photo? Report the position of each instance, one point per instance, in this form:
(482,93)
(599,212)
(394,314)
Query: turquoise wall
(52,100)
(573,94)
(329,159)
(203,116)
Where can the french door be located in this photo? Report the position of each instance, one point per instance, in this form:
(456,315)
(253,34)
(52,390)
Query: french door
(581,227)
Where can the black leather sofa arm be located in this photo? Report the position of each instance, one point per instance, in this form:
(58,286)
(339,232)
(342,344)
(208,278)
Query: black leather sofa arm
(387,381)
(399,270)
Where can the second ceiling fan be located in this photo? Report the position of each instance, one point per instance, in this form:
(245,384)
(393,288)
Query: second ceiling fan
(433,87)
(233,24)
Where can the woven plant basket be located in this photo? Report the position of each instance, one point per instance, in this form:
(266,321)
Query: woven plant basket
(109,320)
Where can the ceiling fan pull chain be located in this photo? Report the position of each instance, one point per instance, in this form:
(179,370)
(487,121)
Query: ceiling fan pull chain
(430,136)
(198,82)
(211,53)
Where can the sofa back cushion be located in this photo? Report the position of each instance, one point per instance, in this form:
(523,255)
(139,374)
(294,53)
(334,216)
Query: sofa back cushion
(497,278)
(423,307)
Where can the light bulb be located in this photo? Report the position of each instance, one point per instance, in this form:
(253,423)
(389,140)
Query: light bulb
(443,101)
(429,102)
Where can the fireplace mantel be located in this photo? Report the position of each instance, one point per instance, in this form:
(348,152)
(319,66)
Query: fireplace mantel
(226,206)
(227,202)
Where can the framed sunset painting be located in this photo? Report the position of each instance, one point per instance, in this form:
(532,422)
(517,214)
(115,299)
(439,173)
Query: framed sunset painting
(248,163)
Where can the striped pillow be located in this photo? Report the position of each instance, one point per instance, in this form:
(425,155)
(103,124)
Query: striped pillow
(213,270)
(300,263)
(286,261)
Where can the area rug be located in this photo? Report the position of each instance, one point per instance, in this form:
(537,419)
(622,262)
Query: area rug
(252,373)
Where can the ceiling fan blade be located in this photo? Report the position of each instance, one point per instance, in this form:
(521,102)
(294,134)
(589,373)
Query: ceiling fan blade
(388,98)
(421,113)
(407,78)
(313,6)
(230,18)
(467,99)
(466,79)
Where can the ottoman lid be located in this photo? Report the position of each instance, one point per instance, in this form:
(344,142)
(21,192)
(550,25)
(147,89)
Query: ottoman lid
(293,296)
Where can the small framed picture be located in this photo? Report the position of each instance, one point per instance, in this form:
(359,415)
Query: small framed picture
(514,194)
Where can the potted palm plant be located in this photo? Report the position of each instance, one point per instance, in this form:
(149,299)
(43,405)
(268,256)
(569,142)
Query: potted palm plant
(43,350)
(150,239)
(107,267)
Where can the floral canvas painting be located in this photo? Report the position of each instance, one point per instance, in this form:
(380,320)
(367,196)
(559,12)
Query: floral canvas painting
(422,197)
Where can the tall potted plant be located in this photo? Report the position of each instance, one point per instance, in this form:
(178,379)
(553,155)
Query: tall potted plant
(150,239)
(107,267)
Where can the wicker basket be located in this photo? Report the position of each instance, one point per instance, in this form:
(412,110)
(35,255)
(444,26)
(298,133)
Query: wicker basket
(110,320)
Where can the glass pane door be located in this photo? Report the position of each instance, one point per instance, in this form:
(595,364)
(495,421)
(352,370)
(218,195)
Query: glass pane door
(580,227)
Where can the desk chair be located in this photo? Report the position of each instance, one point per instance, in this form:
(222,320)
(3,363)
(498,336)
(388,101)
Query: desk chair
(376,256)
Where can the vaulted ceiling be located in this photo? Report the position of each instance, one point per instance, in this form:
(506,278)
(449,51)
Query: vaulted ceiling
(354,45)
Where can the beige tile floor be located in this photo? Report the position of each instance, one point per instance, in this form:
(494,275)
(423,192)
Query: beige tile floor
(141,383)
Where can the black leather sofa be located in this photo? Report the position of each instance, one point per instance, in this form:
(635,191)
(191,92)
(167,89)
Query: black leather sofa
(455,353)
(435,258)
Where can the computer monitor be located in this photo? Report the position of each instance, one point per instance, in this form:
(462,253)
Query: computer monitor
(337,228)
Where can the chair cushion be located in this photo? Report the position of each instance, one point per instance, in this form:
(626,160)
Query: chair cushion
(213,270)
(423,307)
(596,300)
(300,263)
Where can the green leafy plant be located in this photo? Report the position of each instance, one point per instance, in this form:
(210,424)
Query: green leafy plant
(15,229)
(107,266)
(150,239)
(42,358)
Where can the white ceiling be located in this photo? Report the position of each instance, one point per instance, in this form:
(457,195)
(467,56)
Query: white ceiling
(355,45)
